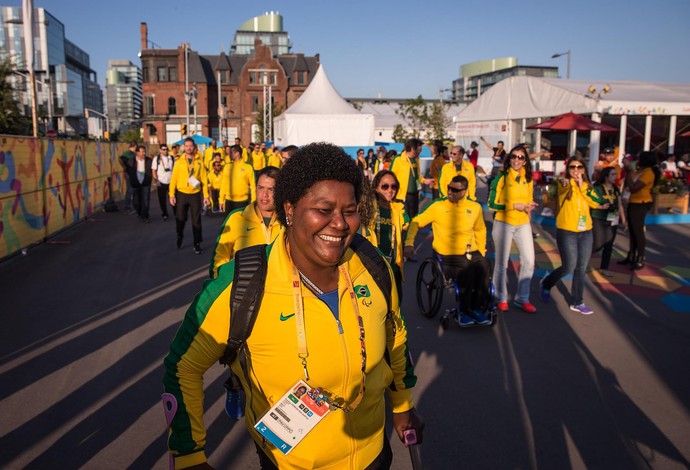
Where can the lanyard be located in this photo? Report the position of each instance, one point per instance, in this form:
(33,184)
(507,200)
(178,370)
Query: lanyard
(190,170)
(303,352)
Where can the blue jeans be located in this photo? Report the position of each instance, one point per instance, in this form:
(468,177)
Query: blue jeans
(503,235)
(575,249)
(128,193)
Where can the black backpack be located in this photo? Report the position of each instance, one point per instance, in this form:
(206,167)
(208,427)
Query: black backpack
(248,289)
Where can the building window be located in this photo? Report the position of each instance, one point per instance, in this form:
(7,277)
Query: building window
(148,105)
(223,76)
(255,104)
(252,78)
(162,75)
(300,78)
(172,74)
(172,106)
(274,78)
(146,74)
(224,100)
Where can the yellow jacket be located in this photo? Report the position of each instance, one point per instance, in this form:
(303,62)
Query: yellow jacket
(402,166)
(448,172)
(400,221)
(571,211)
(508,189)
(275,160)
(238,182)
(258,160)
(182,171)
(208,156)
(645,194)
(454,226)
(242,228)
(215,180)
(341,440)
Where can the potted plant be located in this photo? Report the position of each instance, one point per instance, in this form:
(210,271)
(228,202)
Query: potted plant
(670,193)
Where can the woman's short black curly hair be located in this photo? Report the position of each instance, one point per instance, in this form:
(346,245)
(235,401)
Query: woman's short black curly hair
(311,164)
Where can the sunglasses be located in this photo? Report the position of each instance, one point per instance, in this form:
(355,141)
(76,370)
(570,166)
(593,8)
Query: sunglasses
(451,189)
(576,167)
(386,186)
(519,157)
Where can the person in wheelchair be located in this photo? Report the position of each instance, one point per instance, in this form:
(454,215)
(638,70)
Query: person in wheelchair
(460,241)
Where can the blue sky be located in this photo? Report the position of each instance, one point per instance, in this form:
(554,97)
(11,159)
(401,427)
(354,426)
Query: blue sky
(405,49)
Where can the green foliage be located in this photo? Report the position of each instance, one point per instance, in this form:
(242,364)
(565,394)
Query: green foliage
(259,121)
(422,119)
(11,120)
(398,133)
(130,135)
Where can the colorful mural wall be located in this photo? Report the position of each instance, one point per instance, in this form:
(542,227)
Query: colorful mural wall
(47,185)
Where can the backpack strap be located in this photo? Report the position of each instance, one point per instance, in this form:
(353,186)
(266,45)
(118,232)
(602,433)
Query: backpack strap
(245,298)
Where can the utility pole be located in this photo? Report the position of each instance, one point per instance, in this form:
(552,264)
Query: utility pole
(28,27)
(186,81)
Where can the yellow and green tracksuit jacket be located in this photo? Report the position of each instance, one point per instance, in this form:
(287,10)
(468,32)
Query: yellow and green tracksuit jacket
(341,440)
(242,228)
(208,156)
(449,171)
(454,226)
(508,189)
(215,181)
(182,170)
(570,211)
(400,220)
(238,182)
(258,161)
(275,160)
(402,167)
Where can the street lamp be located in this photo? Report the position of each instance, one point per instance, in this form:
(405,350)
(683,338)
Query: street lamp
(88,111)
(562,54)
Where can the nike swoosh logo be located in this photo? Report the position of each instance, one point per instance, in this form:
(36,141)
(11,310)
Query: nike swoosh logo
(250,229)
(285,317)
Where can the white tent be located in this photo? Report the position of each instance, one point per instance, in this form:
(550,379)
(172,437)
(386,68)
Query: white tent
(504,110)
(321,114)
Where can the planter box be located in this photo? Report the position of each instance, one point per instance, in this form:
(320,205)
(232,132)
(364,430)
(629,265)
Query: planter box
(678,204)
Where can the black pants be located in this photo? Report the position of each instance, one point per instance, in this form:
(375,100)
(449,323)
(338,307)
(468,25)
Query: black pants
(142,197)
(473,277)
(191,203)
(412,204)
(604,236)
(382,462)
(234,205)
(162,191)
(636,215)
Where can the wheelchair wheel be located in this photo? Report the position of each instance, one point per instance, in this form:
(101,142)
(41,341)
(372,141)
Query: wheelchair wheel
(429,287)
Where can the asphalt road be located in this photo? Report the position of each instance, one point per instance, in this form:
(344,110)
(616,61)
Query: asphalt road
(88,318)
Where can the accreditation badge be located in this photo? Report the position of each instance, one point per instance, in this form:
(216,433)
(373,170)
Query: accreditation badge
(291,418)
(582,223)
(613,218)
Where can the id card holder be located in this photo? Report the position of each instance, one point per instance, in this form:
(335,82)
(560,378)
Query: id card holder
(582,223)
(193,182)
(291,418)
(613,218)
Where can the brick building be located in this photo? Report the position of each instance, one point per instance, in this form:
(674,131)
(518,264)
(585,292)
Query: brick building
(230,89)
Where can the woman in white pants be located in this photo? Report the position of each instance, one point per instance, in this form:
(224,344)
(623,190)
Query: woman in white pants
(511,197)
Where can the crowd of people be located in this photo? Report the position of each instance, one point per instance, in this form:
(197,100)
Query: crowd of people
(316,209)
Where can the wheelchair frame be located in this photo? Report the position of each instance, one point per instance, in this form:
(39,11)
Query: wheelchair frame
(430,287)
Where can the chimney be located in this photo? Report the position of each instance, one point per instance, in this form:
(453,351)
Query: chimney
(144,36)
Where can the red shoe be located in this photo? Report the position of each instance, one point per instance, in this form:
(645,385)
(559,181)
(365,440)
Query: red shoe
(502,307)
(525,306)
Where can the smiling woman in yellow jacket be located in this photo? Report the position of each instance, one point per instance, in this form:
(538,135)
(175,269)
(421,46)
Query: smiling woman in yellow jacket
(323,321)
(574,232)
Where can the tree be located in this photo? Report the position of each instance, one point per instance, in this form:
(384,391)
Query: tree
(427,120)
(12,121)
(259,121)
(130,135)
(438,121)
(398,133)
(415,114)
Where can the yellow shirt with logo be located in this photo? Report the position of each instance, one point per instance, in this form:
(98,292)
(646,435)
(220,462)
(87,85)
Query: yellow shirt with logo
(258,160)
(455,225)
(402,166)
(183,171)
(450,171)
(508,189)
(573,214)
(645,194)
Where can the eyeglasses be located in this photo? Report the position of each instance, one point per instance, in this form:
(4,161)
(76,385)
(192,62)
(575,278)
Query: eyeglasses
(386,186)
(576,167)
(519,157)
(452,189)
(164,148)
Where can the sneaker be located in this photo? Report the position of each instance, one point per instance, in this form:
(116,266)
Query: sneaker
(581,308)
(502,307)
(165,217)
(197,249)
(606,272)
(525,306)
(479,317)
(179,241)
(465,321)
(544,293)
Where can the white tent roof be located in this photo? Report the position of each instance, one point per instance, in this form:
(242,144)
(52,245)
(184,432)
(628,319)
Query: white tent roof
(533,97)
(321,114)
